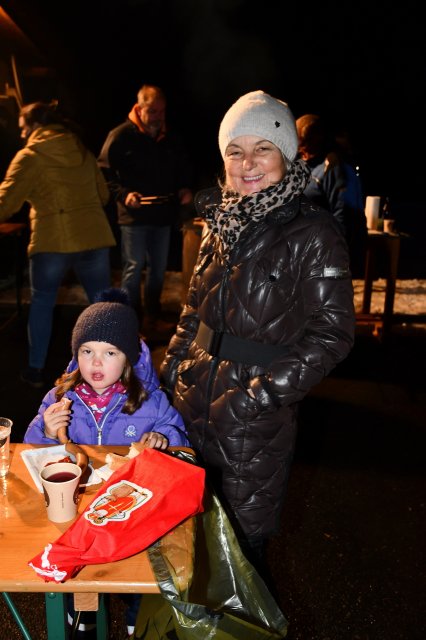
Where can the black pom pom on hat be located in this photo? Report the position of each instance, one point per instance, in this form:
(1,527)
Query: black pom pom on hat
(110,319)
(113,294)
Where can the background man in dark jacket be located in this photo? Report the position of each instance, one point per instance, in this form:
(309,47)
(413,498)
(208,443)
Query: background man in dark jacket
(149,175)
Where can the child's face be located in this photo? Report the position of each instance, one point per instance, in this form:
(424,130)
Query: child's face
(101,364)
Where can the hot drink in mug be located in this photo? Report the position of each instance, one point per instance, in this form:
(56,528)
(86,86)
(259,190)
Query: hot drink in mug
(60,482)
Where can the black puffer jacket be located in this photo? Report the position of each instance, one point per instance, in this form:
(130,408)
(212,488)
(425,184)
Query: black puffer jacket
(287,283)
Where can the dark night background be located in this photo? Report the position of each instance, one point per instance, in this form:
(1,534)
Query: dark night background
(360,65)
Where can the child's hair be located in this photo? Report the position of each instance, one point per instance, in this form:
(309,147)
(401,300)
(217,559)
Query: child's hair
(136,394)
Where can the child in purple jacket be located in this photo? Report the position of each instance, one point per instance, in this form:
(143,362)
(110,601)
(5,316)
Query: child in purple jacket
(115,396)
(111,382)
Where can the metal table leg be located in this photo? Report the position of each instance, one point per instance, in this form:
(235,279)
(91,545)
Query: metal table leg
(56,616)
(14,611)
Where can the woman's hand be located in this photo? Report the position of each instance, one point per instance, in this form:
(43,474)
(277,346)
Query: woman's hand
(55,417)
(154,440)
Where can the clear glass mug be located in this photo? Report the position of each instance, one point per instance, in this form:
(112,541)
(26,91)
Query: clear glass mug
(5,430)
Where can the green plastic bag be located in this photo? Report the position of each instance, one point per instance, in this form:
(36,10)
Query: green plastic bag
(226,598)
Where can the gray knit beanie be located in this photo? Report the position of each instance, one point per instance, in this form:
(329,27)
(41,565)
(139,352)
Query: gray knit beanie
(259,114)
(112,322)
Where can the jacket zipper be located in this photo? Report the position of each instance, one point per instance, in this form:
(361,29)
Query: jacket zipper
(222,293)
(215,363)
(99,426)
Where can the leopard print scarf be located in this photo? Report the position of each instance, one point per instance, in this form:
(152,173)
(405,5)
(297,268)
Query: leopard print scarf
(235,212)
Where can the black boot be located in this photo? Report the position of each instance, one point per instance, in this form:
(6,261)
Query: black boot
(254,549)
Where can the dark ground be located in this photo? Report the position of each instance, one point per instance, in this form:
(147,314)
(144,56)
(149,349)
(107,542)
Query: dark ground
(350,557)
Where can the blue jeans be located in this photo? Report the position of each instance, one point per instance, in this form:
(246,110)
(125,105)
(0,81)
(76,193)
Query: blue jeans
(47,270)
(144,246)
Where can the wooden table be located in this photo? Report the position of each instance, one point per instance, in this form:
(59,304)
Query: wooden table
(386,245)
(25,531)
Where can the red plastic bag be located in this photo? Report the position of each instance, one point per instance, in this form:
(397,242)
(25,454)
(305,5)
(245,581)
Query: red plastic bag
(141,502)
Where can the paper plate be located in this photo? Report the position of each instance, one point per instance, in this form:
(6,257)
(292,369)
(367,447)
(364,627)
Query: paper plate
(36,459)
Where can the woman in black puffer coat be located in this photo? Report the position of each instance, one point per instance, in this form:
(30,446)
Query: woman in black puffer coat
(269,313)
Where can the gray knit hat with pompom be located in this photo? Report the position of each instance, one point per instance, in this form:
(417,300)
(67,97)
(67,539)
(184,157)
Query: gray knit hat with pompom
(111,320)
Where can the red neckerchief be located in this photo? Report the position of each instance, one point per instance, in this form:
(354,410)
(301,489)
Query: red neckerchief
(134,117)
(97,402)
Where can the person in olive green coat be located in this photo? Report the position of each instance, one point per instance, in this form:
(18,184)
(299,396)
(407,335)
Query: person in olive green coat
(59,177)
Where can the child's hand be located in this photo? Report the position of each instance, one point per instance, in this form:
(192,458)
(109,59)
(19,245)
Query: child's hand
(154,440)
(55,417)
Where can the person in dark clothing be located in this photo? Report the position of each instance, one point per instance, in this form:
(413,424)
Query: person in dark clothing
(335,186)
(149,175)
(269,313)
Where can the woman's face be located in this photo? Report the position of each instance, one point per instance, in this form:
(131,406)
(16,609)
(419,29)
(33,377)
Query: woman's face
(253,164)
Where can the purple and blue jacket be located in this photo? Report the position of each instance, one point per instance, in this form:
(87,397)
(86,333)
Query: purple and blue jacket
(116,427)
